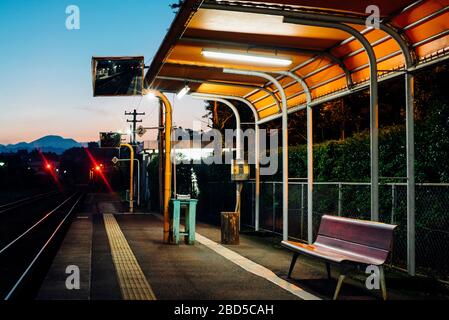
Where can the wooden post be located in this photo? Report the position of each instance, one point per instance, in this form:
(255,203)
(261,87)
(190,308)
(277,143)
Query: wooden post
(230,228)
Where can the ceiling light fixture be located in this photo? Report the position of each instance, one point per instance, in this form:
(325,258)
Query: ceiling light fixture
(252,58)
(183,92)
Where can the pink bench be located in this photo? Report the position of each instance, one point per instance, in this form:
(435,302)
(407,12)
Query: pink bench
(349,243)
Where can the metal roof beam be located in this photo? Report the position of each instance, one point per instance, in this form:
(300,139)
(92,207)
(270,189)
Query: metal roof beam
(307,51)
(222,83)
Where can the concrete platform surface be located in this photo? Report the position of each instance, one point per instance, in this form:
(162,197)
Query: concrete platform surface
(125,258)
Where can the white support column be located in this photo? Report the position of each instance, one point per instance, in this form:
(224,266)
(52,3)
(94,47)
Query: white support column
(374,105)
(410,131)
(257,187)
(309,174)
(256,151)
(238,144)
(284,141)
(309,111)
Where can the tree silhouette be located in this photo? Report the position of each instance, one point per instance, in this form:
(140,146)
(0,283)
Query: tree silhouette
(175,6)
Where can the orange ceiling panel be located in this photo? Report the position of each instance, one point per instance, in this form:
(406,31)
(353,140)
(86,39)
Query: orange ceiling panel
(268,112)
(295,101)
(329,88)
(268,101)
(424,31)
(428,49)
(223,89)
(314,65)
(421,11)
(257,24)
(263,31)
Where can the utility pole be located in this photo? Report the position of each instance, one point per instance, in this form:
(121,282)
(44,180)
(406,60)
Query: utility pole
(134,122)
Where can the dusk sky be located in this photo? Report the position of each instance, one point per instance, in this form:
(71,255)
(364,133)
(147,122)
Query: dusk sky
(45,79)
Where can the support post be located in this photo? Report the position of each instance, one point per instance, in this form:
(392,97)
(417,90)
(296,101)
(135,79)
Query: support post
(273,207)
(238,144)
(310,179)
(257,182)
(168,111)
(302,211)
(374,106)
(131,177)
(256,151)
(161,156)
(340,199)
(309,175)
(410,124)
(284,141)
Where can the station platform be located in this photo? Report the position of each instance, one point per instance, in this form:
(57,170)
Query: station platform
(120,256)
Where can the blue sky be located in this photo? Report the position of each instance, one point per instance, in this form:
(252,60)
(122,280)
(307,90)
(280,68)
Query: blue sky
(45,78)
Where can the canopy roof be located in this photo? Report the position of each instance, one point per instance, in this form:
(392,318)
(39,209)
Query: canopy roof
(330,61)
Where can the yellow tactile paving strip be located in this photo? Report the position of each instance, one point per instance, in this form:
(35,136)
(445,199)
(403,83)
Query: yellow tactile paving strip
(132,281)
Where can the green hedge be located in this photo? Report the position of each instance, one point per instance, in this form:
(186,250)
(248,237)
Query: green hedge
(348,160)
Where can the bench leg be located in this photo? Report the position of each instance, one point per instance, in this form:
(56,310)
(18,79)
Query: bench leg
(383,286)
(328,270)
(341,278)
(292,264)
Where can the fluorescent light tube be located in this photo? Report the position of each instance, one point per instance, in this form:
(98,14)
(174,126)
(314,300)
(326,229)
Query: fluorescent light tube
(183,92)
(247,58)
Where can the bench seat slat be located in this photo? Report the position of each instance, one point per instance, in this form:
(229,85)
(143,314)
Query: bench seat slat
(379,256)
(367,233)
(342,239)
(330,254)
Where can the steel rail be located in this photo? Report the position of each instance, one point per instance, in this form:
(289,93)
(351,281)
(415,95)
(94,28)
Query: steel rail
(24,201)
(36,224)
(36,257)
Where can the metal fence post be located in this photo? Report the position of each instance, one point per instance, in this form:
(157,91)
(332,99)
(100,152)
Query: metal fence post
(252,205)
(340,199)
(274,207)
(393,202)
(302,211)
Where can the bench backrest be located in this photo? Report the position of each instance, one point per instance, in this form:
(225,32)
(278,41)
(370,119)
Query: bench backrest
(367,238)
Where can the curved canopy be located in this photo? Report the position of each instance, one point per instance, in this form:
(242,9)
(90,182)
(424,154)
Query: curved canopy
(330,61)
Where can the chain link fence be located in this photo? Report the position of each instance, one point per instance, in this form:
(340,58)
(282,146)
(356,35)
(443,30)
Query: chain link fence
(350,200)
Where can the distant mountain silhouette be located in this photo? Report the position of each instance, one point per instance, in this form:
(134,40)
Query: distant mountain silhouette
(55,144)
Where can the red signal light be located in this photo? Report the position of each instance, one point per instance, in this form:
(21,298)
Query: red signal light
(98,168)
(48,166)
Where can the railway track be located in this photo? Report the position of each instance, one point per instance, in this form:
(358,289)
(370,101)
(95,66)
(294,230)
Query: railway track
(33,237)
(24,201)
